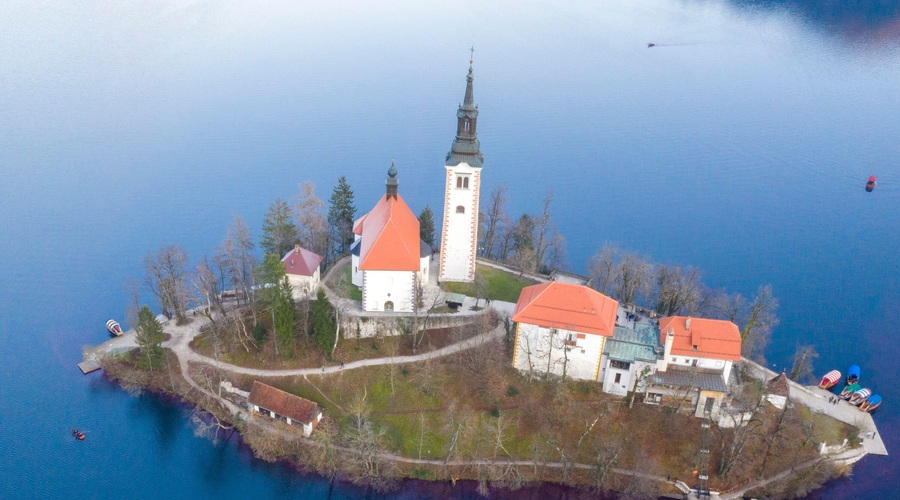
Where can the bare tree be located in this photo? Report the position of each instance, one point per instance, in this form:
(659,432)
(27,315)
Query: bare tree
(494,218)
(602,269)
(544,232)
(237,254)
(801,368)
(312,225)
(166,279)
(633,277)
(678,292)
(760,320)
(207,285)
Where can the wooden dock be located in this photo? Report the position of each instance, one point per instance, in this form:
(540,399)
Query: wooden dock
(88,366)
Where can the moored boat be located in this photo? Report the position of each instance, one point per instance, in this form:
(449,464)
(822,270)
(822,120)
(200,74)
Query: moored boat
(870,184)
(114,328)
(871,404)
(853,375)
(830,380)
(77,434)
(860,396)
(848,391)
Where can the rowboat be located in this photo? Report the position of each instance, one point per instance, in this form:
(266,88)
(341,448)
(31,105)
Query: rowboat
(853,375)
(114,328)
(830,380)
(860,396)
(871,404)
(848,391)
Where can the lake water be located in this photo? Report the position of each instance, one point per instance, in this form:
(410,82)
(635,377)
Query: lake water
(739,144)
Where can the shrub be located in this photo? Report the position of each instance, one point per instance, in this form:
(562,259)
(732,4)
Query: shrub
(511,391)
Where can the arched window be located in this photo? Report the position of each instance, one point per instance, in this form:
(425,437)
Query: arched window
(460,209)
(466,126)
(465,183)
(459,182)
(389,306)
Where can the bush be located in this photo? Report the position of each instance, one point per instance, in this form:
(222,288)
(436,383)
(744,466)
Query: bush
(259,333)
(511,391)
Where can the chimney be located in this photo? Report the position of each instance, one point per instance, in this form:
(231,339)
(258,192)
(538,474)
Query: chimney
(297,248)
(663,364)
(687,323)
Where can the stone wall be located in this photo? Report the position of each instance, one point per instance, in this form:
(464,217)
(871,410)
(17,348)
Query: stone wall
(395,324)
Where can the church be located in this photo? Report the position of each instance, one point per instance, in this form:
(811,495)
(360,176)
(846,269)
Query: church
(390,262)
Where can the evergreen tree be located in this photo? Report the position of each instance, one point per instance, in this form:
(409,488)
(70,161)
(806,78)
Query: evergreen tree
(284,312)
(149,338)
(426,226)
(279,229)
(323,327)
(341,213)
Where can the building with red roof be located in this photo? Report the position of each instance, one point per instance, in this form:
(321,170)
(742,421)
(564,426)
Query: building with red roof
(280,405)
(562,329)
(696,364)
(388,256)
(302,268)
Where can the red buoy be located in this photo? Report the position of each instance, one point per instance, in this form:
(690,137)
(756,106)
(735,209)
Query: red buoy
(870,185)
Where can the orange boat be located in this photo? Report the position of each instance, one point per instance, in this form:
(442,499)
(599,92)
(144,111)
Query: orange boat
(870,185)
(78,434)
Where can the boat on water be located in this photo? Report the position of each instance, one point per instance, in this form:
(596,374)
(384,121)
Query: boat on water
(870,184)
(77,434)
(651,44)
(860,396)
(114,328)
(853,375)
(871,404)
(848,391)
(830,379)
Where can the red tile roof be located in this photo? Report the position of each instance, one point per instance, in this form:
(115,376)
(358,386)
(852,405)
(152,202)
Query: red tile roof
(566,306)
(390,237)
(714,338)
(301,261)
(283,403)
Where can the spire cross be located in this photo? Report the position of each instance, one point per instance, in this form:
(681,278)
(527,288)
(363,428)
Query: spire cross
(471,56)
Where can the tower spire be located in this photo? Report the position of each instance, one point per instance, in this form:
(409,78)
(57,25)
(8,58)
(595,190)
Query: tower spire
(465,147)
(391,183)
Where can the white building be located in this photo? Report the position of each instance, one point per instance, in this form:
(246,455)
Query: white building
(459,233)
(388,257)
(302,268)
(630,357)
(561,329)
(698,357)
(280,405)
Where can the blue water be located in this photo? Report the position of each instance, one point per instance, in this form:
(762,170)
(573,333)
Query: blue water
(739,144)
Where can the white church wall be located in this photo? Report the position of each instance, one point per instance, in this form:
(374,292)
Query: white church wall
(381,287)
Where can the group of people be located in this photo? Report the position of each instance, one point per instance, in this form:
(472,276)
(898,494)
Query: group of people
(834,400)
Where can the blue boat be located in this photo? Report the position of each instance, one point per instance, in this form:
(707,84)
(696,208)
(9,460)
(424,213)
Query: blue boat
(871,404)
(853,375)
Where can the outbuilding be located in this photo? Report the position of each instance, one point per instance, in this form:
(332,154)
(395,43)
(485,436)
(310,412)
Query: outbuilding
(284,406)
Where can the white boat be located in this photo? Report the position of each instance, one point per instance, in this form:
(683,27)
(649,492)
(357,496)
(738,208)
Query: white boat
(114,328)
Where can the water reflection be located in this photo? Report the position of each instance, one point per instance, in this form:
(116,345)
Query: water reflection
(872,21)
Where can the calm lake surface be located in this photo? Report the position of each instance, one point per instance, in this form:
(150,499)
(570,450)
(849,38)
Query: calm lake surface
(739,144)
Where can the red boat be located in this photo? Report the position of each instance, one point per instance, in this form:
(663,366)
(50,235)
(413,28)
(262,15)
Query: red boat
(870,185)
(78,434)
(830,379)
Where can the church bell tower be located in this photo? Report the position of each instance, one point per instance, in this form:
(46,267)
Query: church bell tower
(459,234)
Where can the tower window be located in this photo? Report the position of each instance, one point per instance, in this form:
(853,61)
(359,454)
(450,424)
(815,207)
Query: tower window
(459,182)
(465,183)
(460,209)
(466,125)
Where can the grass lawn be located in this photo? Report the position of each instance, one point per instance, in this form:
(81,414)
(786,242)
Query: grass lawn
(342,283)
(501,284)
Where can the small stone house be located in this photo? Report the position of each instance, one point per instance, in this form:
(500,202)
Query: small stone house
(562,329)
(284,406)
(696,364)
(302,268)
